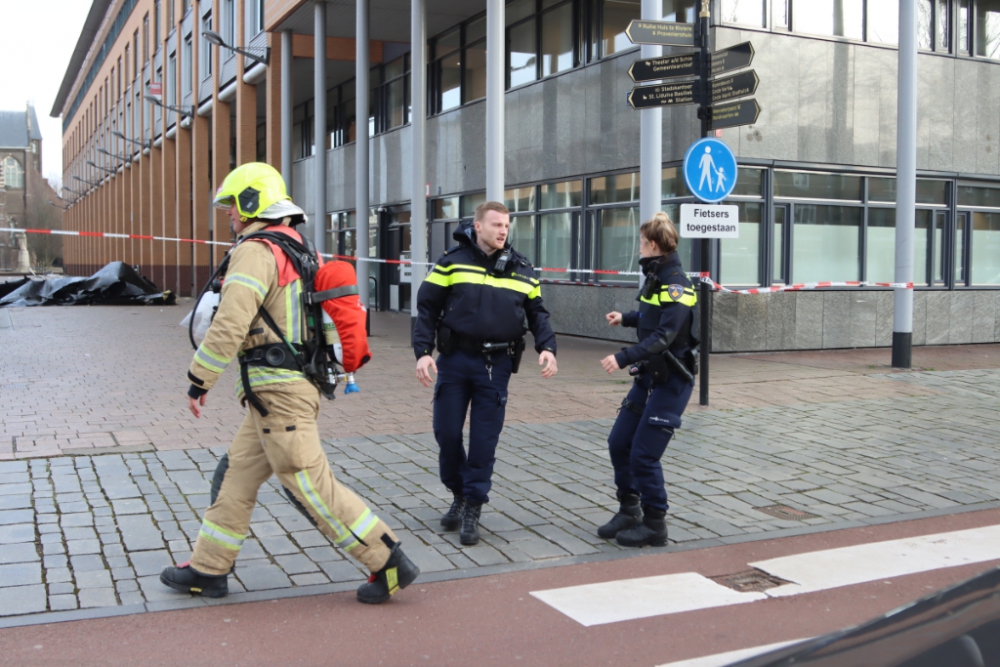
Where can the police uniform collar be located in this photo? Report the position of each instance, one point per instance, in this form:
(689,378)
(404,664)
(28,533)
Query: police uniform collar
(651,265)
(259,226)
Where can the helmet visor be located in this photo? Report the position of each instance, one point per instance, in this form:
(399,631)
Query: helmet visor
(224,201)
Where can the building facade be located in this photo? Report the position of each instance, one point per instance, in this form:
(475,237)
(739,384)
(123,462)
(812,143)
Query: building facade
(816,185)
(20,169)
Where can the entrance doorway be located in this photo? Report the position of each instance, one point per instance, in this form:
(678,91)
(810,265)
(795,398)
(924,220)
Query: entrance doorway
(395,280)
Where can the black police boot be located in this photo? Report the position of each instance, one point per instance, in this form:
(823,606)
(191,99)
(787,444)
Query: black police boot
(398,573)
(185,578)
(470,523)
(629,514)
(651,532)
(452,519)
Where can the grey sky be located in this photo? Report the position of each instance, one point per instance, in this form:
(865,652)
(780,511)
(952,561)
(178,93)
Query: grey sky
(39,37)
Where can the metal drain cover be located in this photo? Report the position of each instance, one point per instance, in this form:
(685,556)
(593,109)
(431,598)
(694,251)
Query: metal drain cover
(749,581)
(785,512)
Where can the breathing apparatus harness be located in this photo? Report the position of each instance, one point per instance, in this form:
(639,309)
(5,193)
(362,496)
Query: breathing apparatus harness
(312,357)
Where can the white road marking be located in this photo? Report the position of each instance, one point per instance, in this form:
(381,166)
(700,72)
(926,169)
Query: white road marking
(613,601)
(721,659)
(846,566)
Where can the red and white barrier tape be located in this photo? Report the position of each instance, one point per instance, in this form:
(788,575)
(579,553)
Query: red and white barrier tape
(703,277)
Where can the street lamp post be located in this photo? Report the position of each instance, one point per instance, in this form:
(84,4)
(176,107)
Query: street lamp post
(213,37)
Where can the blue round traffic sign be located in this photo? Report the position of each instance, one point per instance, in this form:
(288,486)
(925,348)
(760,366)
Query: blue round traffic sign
(710,170)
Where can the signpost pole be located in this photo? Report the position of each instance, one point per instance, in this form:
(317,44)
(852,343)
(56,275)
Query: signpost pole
(705,293)
(651,134)
(906,179)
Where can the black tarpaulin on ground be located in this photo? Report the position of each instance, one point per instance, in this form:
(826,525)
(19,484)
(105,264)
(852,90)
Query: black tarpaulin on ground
(115,284)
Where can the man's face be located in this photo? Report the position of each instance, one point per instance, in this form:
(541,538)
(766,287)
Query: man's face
(235,224)
(492,229)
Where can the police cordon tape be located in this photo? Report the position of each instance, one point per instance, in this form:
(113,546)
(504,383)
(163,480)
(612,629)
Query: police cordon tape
(702,277)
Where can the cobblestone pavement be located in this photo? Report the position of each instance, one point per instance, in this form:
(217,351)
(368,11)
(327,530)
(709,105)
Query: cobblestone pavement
(79,532)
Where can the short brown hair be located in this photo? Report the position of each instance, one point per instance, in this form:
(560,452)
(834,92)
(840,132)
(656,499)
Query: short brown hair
(660,231)
(490,206)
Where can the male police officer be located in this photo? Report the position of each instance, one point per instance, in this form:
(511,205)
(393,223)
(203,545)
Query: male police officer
(261,312)
(475,300)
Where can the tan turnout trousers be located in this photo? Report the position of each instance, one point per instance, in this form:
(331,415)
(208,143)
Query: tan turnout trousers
(286,442)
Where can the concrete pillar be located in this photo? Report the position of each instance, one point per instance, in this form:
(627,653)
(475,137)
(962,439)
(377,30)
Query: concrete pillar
(650,133)
(418,150)
(286,61)
(168,189)
(221,139)
(319,124)
(361,145)
(273,118)
(496,51)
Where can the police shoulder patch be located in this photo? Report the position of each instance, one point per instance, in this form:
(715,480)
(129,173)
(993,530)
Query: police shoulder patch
(675,291)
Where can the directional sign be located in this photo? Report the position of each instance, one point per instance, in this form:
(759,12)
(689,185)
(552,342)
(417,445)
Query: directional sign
(666,33)
(665,68)
(710,170)
(744,112)
(669,94)
(738,85)
(727,60)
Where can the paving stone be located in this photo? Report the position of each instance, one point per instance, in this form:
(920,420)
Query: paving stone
(310,579)
(154,591)
(278,544)
(296,564)
(342,570)
(82,533)
(146,563)
(86,562)
(129,506)
(9,517)
(18,553)
(261,575)
(139,533)
(97,597)
(58,575)
(16,533)
(310,538)
(93,579)
(15,502)
(20,574)
(81,547)
(61,588)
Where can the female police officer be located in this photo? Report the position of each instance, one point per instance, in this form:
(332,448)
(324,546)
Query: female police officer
(663,362)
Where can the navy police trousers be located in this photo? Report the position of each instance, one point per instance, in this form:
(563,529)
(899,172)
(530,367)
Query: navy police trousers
(644,426)
(466,377)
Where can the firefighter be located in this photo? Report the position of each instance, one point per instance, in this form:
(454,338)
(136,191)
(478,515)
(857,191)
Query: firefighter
(473,304)
(663,362)
(279,434)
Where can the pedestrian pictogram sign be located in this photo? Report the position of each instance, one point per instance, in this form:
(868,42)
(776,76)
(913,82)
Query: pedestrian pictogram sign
(710,170)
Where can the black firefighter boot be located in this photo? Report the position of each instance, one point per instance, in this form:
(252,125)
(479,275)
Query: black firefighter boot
(397,573)
(452,519)
(185,578)
(470,523)
(629,514)
(651,532)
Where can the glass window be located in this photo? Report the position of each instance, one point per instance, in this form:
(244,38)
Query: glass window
(616,188)
(13,174)
(749,183)
(883,21)
(840,18)
(942,24)
(396,104)
(522,62)
(988,197)
(988,28)
(519,9)
(747,12)
(476,29)
(475,72)
(450,81)
(520,199)
(928,192)
(556,234)
(825,243)
(186,63)
(615,17)
(779,13)
(618,229)
(807,185)
(963,26)
(881,260)
(470,202)
(557,39)
(568,194)
(673,184)
(448,42)
(925,22)
(985,248)
(683,11)
(522,235)
(739,260)
(446,209)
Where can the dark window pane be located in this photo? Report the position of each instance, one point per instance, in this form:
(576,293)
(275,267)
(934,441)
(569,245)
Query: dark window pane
(928,192)
(519,9)
(617,188)
(749,183)
(841,18)
(817,186)
(520,199)
(450,77)
(988,28)
(673,184)
(475,72)
(395,68)
(557,40)
(883,21)
(825,243)
(747,12)
(522,56)
(616,17)
(475,30)
(447,42)
(395,103)
(470,202)
(979,197)
(446,209)
(562,195)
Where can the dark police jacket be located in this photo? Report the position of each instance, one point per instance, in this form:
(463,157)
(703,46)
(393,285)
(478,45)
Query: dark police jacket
(467,295)
(666,316)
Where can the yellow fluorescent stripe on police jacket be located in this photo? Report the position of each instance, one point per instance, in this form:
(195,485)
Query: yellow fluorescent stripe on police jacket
(475,275)
(688,298)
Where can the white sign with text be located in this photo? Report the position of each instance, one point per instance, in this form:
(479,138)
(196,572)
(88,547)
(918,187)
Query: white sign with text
(707,221)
